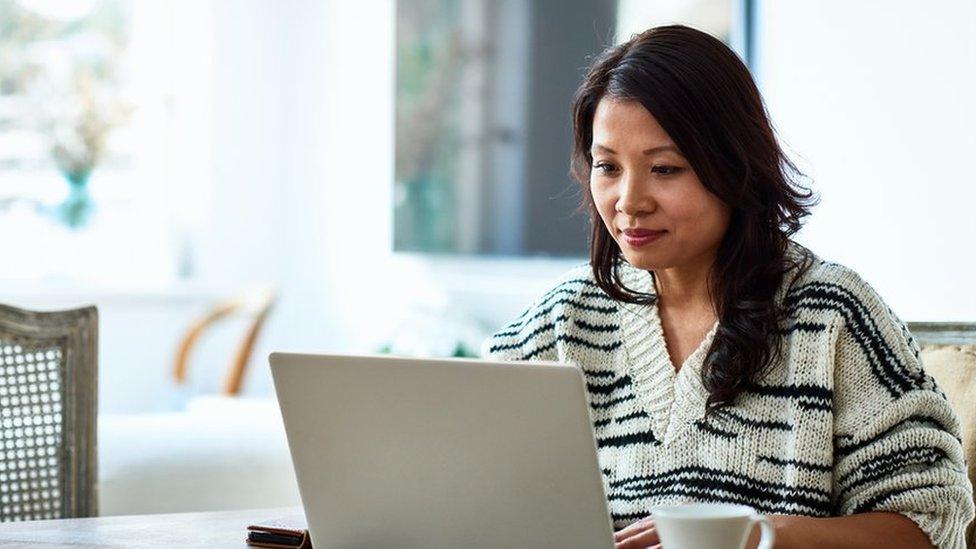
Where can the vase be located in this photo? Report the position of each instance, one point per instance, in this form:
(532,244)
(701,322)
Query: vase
(76,210)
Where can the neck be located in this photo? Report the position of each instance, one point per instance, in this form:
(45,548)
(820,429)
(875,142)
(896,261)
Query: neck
(686,285)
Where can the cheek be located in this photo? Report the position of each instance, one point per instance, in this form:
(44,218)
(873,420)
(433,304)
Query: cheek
(605,202)
(706,213)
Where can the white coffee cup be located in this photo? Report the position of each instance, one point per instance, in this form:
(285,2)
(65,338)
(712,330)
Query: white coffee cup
(709,526)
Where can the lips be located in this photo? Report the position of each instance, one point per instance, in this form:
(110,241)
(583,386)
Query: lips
(641,233)
(637,238)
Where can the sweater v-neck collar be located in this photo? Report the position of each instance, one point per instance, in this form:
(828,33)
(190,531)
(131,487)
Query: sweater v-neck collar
(672,398)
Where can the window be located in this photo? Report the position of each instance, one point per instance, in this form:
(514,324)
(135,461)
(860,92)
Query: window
(104,138)
(483,130)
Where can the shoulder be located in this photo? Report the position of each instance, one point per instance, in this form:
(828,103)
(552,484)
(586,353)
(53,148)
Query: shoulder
(572,300)
(576,283)
(827,286)
(573,293)
(819,270)
(869,340)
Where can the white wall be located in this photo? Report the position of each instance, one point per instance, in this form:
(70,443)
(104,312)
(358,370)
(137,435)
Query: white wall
(276,202)
(879,100)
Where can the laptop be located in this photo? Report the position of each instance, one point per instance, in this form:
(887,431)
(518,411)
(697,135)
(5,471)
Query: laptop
(398,452)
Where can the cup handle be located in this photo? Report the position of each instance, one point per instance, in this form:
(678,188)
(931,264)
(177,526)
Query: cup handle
(767,536)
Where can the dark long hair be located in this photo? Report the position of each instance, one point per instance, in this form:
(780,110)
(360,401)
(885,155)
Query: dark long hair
(703,96)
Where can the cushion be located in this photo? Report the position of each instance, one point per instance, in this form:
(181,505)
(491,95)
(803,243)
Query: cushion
(954,369)
(220,453)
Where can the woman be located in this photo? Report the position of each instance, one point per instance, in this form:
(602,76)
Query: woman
(725,363)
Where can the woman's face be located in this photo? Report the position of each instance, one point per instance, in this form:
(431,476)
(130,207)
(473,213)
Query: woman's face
(648,196)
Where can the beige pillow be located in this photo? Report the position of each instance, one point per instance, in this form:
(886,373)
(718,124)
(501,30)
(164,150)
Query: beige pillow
(954,369)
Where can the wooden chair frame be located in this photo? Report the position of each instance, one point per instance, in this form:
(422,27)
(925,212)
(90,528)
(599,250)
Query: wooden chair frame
(258,303)
(76,333)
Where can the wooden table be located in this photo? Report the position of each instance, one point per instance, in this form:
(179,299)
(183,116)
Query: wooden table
(222,529)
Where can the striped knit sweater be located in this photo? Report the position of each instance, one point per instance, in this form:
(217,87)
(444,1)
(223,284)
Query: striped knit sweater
(846,421)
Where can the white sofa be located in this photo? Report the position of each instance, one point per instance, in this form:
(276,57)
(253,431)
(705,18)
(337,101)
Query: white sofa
(220,453)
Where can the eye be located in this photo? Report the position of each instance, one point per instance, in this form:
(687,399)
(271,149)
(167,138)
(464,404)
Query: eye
(666,170)
(604,167)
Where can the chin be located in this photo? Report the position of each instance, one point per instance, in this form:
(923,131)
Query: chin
(645,261)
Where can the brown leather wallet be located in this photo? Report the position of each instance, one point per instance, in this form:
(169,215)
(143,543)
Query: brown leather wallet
(281,533)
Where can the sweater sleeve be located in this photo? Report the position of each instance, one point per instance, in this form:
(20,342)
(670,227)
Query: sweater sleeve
(896,440)
(535,334)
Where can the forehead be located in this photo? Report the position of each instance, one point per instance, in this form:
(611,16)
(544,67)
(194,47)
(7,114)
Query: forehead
(626,124)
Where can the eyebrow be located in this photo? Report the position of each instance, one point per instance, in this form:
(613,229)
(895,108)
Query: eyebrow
(652,150)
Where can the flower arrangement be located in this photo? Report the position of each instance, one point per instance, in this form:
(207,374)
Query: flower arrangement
(65,59)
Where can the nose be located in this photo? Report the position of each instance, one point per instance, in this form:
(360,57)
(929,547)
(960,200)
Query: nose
(635,198)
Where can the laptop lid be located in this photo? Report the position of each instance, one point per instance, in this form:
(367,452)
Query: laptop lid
(442,453)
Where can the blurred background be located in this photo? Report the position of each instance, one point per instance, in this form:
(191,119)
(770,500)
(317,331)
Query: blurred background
(392,176)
